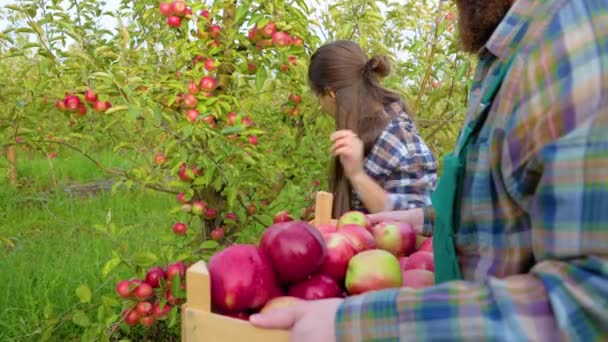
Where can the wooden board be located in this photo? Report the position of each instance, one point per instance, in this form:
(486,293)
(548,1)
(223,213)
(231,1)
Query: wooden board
(200,324)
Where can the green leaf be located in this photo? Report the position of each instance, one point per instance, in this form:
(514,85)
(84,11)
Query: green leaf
(241,12)
(172,318)
(231,130)
(210,244)
(81,319)
(48,310)
(116,109)
(84,293)
(260,77)
(110,266)
(145,259)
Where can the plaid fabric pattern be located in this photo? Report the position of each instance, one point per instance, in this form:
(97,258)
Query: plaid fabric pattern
(533,236)
(402,163)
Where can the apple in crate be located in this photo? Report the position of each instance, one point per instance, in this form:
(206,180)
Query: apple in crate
(295,249)
(372,270)
(360,238)
(420,260)
(280,303)
(241,278)
(418,279)
(356,218)
(327,228)
(426,245)
(339,252)
(318,286)
(395,237)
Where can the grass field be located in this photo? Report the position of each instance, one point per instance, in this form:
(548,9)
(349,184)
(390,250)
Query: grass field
(49,245)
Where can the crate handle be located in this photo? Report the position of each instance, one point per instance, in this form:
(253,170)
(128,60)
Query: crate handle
(323,207)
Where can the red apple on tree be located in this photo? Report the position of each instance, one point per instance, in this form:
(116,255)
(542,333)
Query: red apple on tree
(154,275)
(180,228)
(210,213)
(147,321)
(131,317)
(372,270)
(217,234)
(253,140)
(269,30)
(208,83)
(296,41)
(214,30)
(160,159)
(166,9)
(123,289)
(72,103)
(90,96)
(198,208)
(230,118)
(210,64)
(174,21)
(160,311)
(282,216)
(190,101)
(181,198)
(101,106)
(295,98)
(179,8)
(281,39)
(143,291)
(192,115)
(176,269)
(60,105)
(144,308)
(193,88)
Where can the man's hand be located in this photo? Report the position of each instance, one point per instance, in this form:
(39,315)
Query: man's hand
(413,216)
(349,148)
(308,321)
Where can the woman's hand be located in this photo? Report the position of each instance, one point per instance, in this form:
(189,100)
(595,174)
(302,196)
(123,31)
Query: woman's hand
(349,148)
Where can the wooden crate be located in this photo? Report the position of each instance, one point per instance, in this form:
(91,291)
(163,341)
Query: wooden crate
(200,324)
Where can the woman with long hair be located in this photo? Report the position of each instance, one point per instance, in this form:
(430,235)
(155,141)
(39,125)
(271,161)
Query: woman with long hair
(380,161)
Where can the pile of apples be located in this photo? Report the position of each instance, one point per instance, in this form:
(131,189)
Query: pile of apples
(296,261)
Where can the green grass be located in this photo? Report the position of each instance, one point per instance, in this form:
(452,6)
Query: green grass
(56,247)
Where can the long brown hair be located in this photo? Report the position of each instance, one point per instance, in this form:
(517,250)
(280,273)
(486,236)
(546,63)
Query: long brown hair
(342,66)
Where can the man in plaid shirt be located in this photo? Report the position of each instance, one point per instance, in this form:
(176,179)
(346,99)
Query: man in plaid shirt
(402,162)
(532,242)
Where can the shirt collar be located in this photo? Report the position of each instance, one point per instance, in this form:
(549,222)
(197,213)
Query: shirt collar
(508,35)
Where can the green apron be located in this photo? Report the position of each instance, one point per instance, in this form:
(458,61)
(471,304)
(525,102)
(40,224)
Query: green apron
(447,196)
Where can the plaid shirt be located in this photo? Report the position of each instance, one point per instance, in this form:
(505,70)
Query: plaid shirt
(402,163)
(533,236)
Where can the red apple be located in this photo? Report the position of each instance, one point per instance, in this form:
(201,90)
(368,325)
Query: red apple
(420,260)
(132,318)
(281,39)
(171,299)
(178,268)
(210,64)
(284,67)
(174,21)
(296,249)
(179,8)
(147,321)
(123,289)
(356,218)
(318,286)
(160,312)
(252,68)
(154,275)
(282,302)
(339,252)
(144,308)
(269,30)
(372,270)
(327,228)
(231,217)
(101,106)
(396,237)
(230,118)
(295,98)
(426,245)
(72,103)
(292,60)
(210,120)
(180,228)
(205,14)
(450,16)
(418,279)
(192,115)
(210,213)
(60,105)
(217,234)
(208,83)
(253,140)
(160,159)
(214,30)
(198,208)
(251,209)
(193,88)
(181,198)
(143,291)
(241,278)
(190,101)
(282,216)
(165,9)
(90,96)
(296,41)
(360,238)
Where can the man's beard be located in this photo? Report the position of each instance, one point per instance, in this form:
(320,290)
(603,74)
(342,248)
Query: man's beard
(478,19)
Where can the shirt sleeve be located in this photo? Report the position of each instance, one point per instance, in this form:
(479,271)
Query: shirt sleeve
(564,295)
(405,165)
